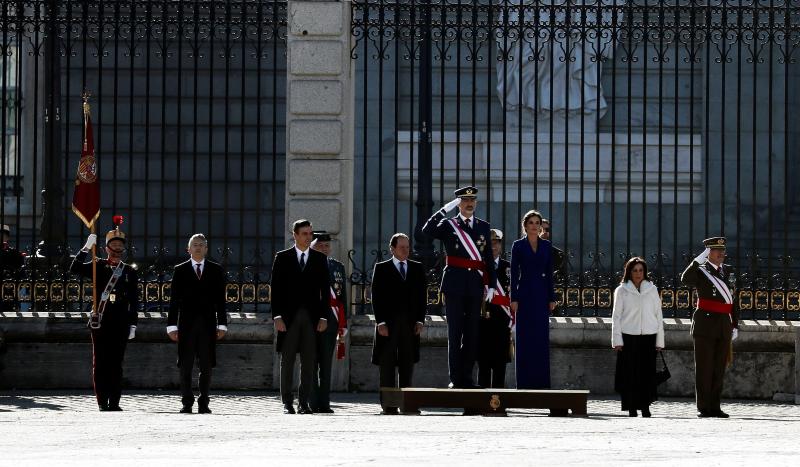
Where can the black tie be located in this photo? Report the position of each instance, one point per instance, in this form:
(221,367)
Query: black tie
(403,269)
(466,221)
(199,272)
(302,261)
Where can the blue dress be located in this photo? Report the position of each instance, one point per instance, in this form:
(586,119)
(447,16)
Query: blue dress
(532,288)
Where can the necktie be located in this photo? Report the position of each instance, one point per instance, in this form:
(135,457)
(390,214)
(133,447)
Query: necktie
(198,271)
(403,269)
(466,221)
(302,261)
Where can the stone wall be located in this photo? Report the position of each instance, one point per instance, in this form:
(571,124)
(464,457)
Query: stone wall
(54,352)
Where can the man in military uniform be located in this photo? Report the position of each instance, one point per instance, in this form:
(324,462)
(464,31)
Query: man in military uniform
(467,281)
(10,262)
(714,323)
(494,351)
(559,265)
(117,303)
(10,258)
(326,340)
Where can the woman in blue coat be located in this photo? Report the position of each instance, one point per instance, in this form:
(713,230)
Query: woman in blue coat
(532,300)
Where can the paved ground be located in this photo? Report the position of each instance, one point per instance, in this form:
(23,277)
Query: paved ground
(64,428)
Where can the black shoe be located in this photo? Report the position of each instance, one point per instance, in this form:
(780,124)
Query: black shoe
(203,409)
(646,413)
(325,410)
(705,414)
(721,414)
(632,413)
(114,408)
(186,409)
(103,408)
(390,411)
(304,410)
(288,409)
(410,412)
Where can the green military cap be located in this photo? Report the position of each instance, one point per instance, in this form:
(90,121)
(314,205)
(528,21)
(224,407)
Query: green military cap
(715,243)
(466,192)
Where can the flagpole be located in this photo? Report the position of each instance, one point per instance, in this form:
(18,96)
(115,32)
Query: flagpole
(94,273)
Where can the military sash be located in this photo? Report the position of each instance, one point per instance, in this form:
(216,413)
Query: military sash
(720,285)
(338,312)
(469,246)
(101,305)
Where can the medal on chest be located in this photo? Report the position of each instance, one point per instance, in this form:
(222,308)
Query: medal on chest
(481,243)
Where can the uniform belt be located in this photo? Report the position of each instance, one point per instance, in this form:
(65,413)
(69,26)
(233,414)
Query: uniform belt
(714,306)
(464,263)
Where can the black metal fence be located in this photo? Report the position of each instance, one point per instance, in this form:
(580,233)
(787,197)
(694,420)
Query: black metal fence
(188,106)
(637,127)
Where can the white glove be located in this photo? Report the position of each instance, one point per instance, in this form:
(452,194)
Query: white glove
(451,205)
(734,334)
(489,296)
(703,257)
(132,334)
(91,240)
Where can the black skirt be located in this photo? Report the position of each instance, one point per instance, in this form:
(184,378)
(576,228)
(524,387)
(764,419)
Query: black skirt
(636,371)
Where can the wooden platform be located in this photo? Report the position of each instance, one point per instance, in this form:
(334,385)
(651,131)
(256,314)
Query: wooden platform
(487,401)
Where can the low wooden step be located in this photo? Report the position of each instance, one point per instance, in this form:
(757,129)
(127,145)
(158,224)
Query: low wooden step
(487,401)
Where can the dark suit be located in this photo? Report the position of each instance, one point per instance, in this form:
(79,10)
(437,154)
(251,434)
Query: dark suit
(197,307)
(711,333)
(300,298)
(463,290)
(109,342)
(400,304)
(495,338)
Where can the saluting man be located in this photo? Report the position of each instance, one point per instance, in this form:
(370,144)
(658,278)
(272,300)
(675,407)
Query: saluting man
(495,328)
(468,279)
(326,340)
(118,300)
(714,323)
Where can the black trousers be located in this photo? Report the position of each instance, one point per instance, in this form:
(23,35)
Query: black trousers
(389,375)
(108,351)
(196,342)
(636,371)
(326,345)
(463,319)
(300,338)
(492,374)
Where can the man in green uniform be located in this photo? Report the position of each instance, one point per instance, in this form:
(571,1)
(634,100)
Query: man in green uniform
(326,340)
(714,323)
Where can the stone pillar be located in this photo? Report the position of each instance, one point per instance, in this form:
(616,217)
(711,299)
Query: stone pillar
(320,126)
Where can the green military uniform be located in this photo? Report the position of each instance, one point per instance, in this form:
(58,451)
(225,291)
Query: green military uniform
(713,324)
(326,341)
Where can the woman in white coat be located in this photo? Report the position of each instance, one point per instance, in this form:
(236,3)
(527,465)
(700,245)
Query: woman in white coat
(637,333)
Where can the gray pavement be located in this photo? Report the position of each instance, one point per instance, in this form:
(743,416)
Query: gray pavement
(65,428)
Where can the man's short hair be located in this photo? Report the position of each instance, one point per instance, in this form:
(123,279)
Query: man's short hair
(545,221)
(197,236)
(396,237)
(299,224)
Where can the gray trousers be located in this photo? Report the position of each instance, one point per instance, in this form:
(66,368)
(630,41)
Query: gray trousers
(300,338)
(326,345)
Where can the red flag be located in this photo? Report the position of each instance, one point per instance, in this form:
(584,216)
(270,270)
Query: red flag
(86,199)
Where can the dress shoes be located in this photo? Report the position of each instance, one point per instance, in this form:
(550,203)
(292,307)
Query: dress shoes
(705,414)
(325,410)
(186,409)
(410,412)
(114,408)
(203,409)
(390,411)
(304,410)
(646,413)
(721,414)
(632,413)
(103,407)
(288,409)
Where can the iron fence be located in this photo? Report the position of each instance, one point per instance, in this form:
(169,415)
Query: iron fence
(638,127)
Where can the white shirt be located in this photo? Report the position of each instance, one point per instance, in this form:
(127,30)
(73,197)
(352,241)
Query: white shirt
(202,264)
(465,219)
(299,252)
(397,266)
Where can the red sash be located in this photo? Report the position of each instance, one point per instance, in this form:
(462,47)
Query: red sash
(714,306)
